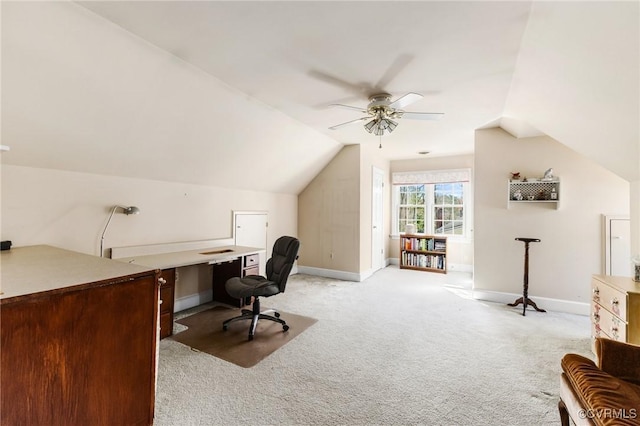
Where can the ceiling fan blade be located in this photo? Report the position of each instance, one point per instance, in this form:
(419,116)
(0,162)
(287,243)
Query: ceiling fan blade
(422,115)
(336,81)
(349,122)
(399,64)
(360,109)
(405,100)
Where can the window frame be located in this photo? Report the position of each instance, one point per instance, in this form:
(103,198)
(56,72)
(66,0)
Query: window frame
(430,209)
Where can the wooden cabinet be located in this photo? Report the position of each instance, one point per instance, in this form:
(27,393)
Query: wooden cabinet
(167,282)
(615,308)
(78,339)
(534,191)
(423,252)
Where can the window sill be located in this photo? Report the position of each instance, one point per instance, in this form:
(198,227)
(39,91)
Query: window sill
(451,238)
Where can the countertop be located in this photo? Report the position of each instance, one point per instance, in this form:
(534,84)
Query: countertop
(35,269)
(191,257)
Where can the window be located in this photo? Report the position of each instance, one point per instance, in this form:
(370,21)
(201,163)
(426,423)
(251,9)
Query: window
(437,207)
(448,208)
(411,206)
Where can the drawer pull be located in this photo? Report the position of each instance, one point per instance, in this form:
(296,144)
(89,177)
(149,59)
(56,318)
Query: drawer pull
(614,333)
(162,281)
(596,317)
(615,305)
(596,294)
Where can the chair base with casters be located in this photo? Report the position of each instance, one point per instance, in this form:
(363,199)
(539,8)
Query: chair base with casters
(255,315)
(285,252)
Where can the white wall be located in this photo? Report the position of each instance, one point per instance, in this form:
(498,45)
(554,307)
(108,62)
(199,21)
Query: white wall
(70,210)
(80,93)
(571,247)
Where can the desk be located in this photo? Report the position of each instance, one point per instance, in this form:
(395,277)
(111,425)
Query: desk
(227,261)
(175,259)
(78,339)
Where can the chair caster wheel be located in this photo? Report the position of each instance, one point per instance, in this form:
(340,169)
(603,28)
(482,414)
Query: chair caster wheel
(285,327)
(276,314)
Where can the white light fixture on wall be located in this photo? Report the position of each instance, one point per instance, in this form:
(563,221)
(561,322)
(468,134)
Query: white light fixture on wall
(125,210)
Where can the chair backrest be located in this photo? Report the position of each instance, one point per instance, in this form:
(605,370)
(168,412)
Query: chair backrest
(285,252)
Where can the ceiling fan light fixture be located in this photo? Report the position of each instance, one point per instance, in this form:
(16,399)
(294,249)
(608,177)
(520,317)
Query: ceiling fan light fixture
(391,125)
(370,125)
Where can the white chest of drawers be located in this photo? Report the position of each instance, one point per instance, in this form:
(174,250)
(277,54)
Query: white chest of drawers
(615,309)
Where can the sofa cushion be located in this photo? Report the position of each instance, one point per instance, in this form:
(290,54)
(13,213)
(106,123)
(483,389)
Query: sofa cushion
(607,400)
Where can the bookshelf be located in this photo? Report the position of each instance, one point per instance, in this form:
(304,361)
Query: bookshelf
(423,252)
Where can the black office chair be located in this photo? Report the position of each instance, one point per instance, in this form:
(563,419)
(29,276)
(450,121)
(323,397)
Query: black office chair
(285,252)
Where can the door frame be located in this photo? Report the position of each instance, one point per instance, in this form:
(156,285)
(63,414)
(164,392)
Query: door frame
(377,229)
(606,224)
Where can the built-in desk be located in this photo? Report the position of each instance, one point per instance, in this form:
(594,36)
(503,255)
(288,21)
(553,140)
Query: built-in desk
(175,259)
(227,261)
(78,339)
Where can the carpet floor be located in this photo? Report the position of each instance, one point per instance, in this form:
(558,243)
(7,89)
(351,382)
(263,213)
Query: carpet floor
(400,348)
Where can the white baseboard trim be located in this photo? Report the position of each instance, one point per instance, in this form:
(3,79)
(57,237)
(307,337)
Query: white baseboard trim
(556,305)
(331,273)
(192,300)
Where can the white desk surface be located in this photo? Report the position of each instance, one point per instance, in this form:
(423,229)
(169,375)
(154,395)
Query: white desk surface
(191,257)
(41,268)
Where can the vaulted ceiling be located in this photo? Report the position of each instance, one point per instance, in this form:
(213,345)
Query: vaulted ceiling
(221,92)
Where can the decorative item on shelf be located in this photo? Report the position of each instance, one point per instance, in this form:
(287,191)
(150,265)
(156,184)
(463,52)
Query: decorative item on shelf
(553,195)
(515,175)
(548,175)
(410,228)
(531,197)
(636,268)
(517,195)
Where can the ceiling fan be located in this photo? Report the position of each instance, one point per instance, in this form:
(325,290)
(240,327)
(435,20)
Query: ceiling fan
(381,113)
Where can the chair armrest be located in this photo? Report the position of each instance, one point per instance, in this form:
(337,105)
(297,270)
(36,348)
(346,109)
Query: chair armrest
(619,359)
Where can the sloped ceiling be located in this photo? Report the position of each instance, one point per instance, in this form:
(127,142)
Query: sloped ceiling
(237,94)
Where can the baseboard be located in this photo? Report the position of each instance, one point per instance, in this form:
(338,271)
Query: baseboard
(331,273)
(549,304)
(192,300)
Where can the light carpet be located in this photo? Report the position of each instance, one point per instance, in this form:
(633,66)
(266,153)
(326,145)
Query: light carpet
(400,348)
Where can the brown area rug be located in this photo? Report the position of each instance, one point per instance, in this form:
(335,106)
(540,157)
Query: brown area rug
(206,335)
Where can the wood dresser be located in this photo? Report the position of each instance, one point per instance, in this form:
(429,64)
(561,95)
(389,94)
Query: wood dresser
(615,309)
(78,339)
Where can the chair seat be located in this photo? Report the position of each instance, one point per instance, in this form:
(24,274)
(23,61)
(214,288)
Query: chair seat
(251,285)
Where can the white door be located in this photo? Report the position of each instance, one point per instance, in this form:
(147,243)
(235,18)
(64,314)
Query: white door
(377,218)
(617,245)
(250,230)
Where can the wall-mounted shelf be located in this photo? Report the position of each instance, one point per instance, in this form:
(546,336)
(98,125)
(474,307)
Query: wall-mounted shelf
(533,191)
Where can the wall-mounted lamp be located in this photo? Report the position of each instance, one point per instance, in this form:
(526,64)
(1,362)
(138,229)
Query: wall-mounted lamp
(125,210)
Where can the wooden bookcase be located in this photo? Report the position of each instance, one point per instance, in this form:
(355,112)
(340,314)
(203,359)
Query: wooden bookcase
(423,252)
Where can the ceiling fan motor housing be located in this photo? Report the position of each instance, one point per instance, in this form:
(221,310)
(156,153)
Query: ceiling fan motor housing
(379,105)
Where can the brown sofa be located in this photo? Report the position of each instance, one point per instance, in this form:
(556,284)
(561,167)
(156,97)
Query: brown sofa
(606,393)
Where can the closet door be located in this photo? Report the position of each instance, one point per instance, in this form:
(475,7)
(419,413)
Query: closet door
(250,230)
